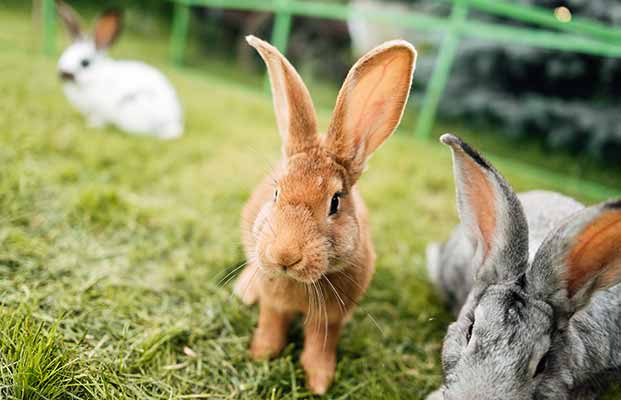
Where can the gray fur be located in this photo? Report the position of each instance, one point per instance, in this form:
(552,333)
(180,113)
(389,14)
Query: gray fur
(520,309)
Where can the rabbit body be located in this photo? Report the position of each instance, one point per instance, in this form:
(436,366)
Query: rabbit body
(130,95)
(534,279)
(305,228)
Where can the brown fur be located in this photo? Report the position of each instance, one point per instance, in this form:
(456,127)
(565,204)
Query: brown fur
(70,19)
(301,260)
(107,29)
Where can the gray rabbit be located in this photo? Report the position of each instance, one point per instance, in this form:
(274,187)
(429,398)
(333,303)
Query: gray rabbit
(535,281)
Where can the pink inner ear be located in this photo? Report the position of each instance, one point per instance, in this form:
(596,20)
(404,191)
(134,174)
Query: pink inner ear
(596,254)
(371,110)
(106,30)
(481,196)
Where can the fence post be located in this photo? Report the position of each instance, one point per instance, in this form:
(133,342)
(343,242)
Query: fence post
(49,27)
(179,35)
(282,26)
(442,70)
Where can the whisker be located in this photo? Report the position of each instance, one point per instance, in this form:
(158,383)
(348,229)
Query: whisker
(231,274)
(341,302)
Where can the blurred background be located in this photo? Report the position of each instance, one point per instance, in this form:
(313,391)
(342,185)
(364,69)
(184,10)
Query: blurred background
(558,93)
(116,250)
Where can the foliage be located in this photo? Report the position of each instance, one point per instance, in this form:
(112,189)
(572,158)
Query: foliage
(565,100)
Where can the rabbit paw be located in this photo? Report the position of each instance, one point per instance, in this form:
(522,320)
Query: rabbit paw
(264,348)
(319,371)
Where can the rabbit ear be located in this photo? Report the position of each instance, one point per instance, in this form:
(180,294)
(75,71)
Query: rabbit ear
(70,19)
(295,113)
(583,255)
(490,213)
(107,29)
(370,103)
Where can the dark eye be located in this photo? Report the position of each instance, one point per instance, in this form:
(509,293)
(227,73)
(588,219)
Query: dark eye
(85,63)
(275,195)
(334,203)
(543,364)
(469,333)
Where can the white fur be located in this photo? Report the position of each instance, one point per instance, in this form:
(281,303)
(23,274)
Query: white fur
(130,95)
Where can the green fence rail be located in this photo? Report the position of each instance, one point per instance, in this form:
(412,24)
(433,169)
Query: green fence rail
(576,35)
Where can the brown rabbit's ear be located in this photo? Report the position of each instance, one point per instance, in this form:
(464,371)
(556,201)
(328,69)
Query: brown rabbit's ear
(370,103)
(295,113)
(582,256)
(491,214)
(70,19)
(107,29)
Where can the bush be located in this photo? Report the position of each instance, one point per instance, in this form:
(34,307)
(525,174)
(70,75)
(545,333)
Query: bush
(567,100)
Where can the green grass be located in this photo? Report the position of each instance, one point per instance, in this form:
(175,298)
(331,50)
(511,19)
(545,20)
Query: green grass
(112,247)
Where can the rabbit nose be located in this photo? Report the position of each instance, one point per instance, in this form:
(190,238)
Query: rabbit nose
(285,257)
(66,76)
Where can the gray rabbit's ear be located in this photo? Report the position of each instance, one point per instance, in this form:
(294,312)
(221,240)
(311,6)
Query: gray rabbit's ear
(490,213)
(583,255)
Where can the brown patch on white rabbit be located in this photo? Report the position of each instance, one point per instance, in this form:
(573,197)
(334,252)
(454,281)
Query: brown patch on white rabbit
(107,29)
(305,228)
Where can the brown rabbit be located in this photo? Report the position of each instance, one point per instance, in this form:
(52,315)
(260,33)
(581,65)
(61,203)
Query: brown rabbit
(305,228)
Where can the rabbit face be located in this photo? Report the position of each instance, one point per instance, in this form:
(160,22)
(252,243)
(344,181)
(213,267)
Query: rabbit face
(78,61)
(310,218)
(500,346)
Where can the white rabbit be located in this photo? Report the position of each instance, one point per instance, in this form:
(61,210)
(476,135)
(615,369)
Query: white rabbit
(130,95)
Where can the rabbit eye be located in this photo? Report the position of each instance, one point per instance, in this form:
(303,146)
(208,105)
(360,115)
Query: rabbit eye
(275,195)
(334,203)
(85,63)
(542,366)
(469,333)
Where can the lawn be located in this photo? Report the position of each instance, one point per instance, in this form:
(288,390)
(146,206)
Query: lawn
(113,248)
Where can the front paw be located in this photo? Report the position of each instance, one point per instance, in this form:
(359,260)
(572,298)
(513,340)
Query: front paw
(264,348)
(320,369)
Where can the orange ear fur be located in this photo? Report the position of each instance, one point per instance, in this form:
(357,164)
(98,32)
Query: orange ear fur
(107,29)
(596,254)
(478,200)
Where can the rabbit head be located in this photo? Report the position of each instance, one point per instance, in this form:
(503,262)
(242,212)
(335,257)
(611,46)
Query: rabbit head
(510,340)
(311,221)
(78,61)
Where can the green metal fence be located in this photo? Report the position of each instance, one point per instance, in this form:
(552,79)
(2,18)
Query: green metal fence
(578,35)
(574,35)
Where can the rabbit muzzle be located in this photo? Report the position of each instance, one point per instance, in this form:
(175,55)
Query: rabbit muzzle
(66,76)
(292,246)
